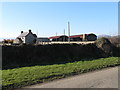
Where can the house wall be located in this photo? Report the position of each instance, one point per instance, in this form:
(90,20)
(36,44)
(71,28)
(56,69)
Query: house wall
(29,39)
(23,39)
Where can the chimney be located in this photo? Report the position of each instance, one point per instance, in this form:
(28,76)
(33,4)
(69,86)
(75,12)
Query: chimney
(29,30)
(21,31)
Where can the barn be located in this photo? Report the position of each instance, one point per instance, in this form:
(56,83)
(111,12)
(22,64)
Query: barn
(76,38)
(83,37)
(59,38)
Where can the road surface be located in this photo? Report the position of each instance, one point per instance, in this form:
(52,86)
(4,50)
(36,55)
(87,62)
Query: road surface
(105,78)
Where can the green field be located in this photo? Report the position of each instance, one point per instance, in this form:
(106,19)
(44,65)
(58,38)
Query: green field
(19,77)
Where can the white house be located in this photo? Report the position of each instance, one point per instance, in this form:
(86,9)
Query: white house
(26,38)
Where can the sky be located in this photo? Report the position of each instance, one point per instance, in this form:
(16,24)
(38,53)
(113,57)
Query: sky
(48,18)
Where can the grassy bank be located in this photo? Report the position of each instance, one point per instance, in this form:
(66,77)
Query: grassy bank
(15,78)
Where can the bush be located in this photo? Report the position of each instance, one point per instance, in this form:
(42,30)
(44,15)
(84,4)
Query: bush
(101,41)
(27,55)
(115,40)
(107,47)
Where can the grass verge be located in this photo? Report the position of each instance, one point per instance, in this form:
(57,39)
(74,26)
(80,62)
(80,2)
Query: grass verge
(19,77)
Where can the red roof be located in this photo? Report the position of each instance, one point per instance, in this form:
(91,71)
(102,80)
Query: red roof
(75,36)
(55,37)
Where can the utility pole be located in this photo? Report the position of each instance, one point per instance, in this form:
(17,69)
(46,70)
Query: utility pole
(64,31)
(37,32)
(64,35)
(68,31)
(56,33)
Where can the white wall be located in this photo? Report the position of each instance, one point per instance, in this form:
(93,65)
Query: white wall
(23,39)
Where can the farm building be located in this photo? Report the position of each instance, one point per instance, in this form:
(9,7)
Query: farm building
(26,38)
(42,39)
(59,38)
(84,37)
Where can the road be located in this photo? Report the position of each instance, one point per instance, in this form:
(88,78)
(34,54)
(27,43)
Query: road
(105,78)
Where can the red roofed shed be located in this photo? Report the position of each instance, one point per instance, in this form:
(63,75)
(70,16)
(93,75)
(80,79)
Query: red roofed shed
(59,38)
(83,37)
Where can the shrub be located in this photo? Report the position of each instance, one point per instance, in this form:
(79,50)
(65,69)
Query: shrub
(105,45)
(30,55)
(115,40)
(27,55)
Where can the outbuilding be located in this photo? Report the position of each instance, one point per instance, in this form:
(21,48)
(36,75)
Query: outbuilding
(59,38)
(83,37)
(42,39)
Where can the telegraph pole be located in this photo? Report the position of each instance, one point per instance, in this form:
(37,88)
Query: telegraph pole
(56,33)
(68,31)
(64,35)
(37,32)
(64,31)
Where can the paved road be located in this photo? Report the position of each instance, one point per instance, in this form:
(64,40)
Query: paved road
(106,78)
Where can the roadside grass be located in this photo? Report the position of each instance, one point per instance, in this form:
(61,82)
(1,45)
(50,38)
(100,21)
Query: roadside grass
(19,77)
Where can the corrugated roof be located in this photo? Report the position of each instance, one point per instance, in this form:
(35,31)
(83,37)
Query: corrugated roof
(75,36)
(81,35)
(55,37)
